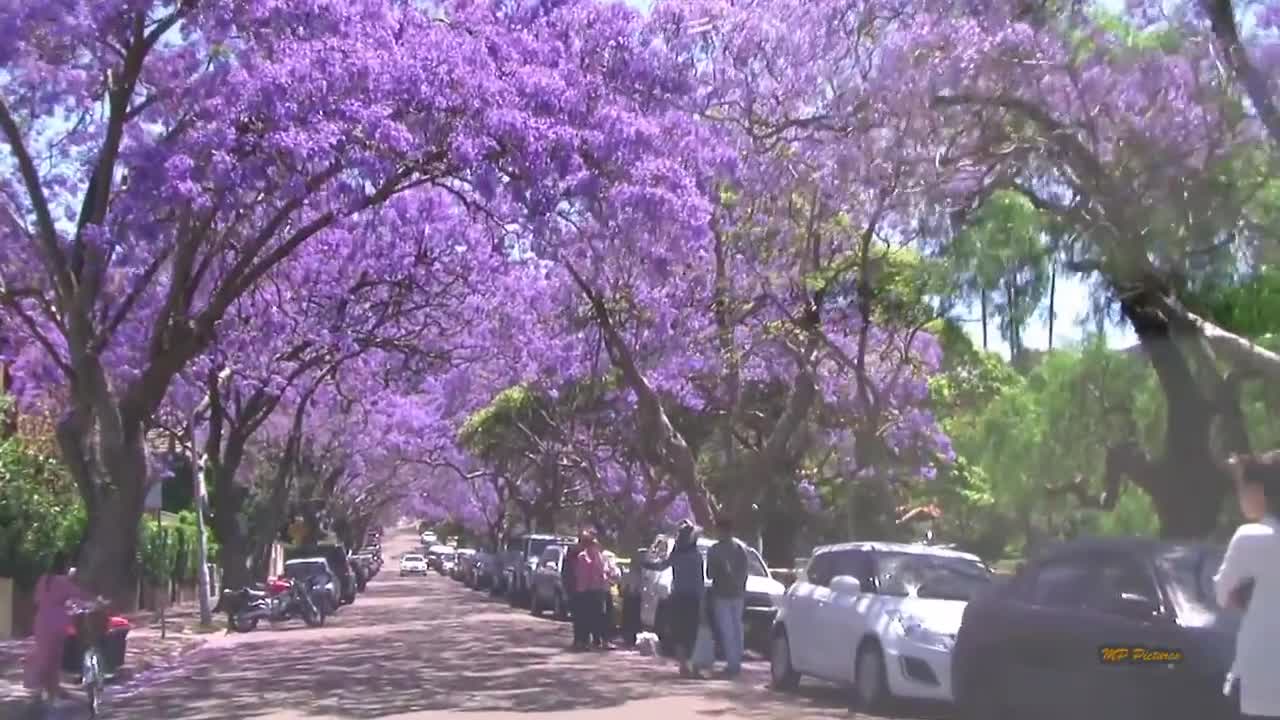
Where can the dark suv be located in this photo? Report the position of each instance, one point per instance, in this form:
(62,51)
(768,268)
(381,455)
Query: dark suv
(520,561)
(337,557)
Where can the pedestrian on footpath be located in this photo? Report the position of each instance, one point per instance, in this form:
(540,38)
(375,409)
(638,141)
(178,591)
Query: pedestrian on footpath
(611,576)
(727,567)
(684,605)
(1249,580)
(569,581)
(42,672)
(591,572)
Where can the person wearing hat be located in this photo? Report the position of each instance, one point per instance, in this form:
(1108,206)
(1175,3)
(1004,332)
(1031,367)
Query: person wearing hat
(684,605)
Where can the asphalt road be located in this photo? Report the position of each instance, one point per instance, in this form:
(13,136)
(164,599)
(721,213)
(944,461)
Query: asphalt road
(425,648)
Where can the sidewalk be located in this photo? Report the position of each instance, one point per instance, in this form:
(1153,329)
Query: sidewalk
(145,651)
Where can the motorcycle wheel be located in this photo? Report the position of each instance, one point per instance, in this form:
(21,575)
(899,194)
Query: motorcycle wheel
(241,623)
(311,615)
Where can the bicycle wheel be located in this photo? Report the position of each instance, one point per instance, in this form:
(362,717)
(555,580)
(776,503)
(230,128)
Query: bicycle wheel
(91,679)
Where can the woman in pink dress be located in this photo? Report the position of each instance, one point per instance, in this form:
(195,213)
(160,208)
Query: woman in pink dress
(43,670)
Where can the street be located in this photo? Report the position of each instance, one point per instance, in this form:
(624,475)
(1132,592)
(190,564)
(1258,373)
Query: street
(423,648)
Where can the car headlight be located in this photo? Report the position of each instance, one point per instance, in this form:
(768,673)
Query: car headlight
(915,630)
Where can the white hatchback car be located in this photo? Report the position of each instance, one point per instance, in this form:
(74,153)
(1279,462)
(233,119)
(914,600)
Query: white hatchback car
(413,564)
(880,618)
(764,594)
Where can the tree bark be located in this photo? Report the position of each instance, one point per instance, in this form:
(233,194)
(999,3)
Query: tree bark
(1188,483)
(985,315)
(1053,297)
(1223,20)
(659,441)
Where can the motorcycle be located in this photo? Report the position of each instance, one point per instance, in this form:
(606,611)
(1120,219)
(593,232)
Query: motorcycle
(282,600)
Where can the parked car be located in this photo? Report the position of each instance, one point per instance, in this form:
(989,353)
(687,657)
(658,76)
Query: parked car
(546,591)
(764,595)
(436,555)
(448,561)
(463,559)
(1046,643)
(520,561)
(880,618)
(488,568)
(336,555)
(316,567)
(413,564)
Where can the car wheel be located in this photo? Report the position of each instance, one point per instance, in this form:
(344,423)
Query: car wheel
(559,608)
(535,605)
(870,685)
(782,673)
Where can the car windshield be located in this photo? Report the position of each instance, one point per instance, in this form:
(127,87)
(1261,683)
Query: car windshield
(411,558)
(930,576)
(304,569)
(536,546)
(1188,572)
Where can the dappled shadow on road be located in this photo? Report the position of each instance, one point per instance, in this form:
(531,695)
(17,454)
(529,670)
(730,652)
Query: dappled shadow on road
(450,650)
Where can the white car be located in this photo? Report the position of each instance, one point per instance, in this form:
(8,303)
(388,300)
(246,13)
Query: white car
(428,539)
(413,564)
(880,618)
(441,558)
(764,594)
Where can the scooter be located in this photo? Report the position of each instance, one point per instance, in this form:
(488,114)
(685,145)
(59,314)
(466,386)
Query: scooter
(282,600)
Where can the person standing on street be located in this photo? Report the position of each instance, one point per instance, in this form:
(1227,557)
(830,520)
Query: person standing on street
(727,566)
(1249,580)
(569,581)
(684,605)
(592,576)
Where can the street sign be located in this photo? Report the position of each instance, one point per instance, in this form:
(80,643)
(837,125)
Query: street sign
(155,497)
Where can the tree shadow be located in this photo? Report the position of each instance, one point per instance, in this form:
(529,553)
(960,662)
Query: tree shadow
(409,645)
(454,650)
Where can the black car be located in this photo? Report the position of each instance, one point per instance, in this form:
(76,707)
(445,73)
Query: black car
(1122,628)
(337,557)
(521,560)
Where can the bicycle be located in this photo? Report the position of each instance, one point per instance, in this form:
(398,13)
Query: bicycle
(87,654)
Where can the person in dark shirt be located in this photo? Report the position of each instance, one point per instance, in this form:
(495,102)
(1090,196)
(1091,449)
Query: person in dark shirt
(684,605)
(727,565)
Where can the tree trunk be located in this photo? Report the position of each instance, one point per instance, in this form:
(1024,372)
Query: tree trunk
(983,301)
(1188,484)
(1053,297)
(109,555)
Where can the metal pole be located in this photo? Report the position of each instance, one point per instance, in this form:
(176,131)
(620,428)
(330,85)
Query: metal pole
(202,573)
(165,601)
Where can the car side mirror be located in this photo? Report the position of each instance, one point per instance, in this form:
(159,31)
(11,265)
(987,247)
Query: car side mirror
(846,585)
(1134,606)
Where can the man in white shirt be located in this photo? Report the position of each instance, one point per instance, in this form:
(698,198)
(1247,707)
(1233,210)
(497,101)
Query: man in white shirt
(1249,579)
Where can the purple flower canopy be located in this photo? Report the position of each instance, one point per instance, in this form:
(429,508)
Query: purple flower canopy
(372,219)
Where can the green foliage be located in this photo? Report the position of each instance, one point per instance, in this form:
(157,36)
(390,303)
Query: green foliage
(40,512)
(170,551)
(1250,308)
(1016,436)
(1003,254)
